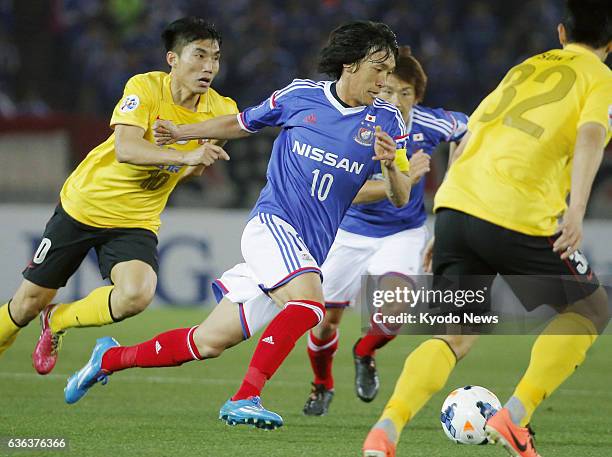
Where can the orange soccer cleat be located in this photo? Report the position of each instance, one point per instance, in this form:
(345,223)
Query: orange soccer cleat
(518,441)
(378,444)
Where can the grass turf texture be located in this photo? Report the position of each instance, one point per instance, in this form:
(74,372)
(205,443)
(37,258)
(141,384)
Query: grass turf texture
(173,411)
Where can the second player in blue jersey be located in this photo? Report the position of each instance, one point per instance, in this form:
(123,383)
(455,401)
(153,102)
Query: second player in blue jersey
(378,238)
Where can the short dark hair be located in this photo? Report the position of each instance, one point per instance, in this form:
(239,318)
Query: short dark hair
(350,43)
(409,69)
(589,22)
(187,29)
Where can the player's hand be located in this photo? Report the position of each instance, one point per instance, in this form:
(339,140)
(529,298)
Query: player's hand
(571,233)
(419,165)
(165,132)
(384,147)
(428,256)
(205,155)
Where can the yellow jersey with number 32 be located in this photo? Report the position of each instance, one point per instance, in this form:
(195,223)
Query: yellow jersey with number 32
(101,192)
(515,170)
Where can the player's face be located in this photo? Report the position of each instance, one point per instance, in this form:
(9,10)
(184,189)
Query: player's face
(197,65)
(371,76)
(400,93)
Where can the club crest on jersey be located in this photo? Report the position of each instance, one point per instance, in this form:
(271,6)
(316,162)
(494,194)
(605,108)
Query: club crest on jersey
(130,103)
(365,136)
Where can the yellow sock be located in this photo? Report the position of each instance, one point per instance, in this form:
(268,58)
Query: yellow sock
(425,372)
(91,311)
(8,328)
(556,353)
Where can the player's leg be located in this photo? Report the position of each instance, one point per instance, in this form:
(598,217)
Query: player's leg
(428,367)
(564,343)
(397,262)
(63,247)
(227,325)
(321,348)
(425,372)
(342,270)
(26,304)
(273,250)
(129,258)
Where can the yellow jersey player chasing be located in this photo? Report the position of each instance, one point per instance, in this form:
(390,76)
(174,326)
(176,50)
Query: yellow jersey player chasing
(537,137)
(113,200)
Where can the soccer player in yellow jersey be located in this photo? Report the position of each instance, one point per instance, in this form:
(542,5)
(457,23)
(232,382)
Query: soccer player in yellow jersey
(113,200)
(537,137)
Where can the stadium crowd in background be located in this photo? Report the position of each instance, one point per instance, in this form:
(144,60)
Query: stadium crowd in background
(281,37)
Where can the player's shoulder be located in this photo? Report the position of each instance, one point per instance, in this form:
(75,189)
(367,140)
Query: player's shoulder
(220,103)
(151,80)
(299,87)
(436,119)
(386,111)
(580,59)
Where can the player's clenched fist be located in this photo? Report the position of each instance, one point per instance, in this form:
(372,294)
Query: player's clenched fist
(205,155)
(419,165)
(165,132)
(384,147)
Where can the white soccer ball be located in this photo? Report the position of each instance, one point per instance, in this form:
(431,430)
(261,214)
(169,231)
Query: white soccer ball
(465,412)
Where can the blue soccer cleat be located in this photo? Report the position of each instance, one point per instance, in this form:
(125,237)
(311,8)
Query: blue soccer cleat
(249,412)
(80,382)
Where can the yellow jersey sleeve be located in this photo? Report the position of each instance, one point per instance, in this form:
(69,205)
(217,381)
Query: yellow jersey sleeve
(598,106)
(401,161)
(136,105)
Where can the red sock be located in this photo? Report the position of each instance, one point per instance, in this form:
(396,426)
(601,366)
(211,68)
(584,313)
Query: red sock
(168,349)
(321,354)
(377,337)
(276,343)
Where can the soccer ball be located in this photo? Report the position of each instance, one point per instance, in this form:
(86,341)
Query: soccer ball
(465,412)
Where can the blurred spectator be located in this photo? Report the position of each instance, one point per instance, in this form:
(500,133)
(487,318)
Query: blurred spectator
(96,45)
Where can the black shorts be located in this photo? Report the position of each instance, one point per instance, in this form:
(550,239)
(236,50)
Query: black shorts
(468,247)
(66,242)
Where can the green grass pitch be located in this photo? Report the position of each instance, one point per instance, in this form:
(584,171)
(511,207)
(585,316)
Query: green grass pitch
(173,412)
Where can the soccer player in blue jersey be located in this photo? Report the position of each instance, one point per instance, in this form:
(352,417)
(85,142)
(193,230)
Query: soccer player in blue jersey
(330,132)
(377,238)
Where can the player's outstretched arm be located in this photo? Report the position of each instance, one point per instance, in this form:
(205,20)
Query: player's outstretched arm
(221,128)
(588,153)
(131,147)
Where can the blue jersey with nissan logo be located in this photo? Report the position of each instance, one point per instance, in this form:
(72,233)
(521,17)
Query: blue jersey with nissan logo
(320,159)
(429,127)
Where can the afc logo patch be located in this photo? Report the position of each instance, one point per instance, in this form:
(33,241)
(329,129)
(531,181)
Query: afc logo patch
(130,103)
(365,136)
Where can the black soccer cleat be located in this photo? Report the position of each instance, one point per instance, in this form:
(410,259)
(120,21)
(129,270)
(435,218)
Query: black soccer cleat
(318,401)
(366,376)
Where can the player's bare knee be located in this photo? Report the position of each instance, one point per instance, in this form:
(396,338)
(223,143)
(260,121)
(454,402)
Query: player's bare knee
(208,351)
(28,302)
(26,308)
(208,347)
(325,329)
(131,300)
(595,308)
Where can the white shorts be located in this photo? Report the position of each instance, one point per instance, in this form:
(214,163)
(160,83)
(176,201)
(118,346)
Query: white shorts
(352,256)
(255,308)
(274,254)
